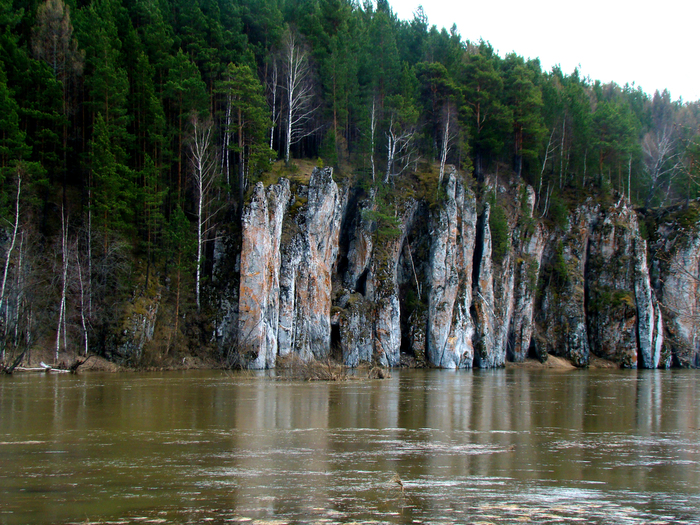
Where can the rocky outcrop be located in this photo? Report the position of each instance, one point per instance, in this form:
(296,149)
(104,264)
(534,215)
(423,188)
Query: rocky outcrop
(610,287)
(678,282)
(372,277)
(528,262)
(310,255)
(486,353)
(138,325)
(450,327)
(259,296)
(424,283)
(289,250)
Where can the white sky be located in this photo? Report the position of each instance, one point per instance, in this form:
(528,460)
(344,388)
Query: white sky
(655,45)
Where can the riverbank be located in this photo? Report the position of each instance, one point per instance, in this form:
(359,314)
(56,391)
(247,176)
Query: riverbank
(100,364)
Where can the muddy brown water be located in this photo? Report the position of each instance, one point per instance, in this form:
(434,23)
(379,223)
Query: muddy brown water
(432,446)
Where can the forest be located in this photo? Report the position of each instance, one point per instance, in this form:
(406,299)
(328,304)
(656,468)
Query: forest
(132,131)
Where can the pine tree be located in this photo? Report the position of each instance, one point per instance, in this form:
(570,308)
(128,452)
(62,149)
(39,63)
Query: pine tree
(245,124)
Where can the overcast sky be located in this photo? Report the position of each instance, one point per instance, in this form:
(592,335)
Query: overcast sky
(655,45)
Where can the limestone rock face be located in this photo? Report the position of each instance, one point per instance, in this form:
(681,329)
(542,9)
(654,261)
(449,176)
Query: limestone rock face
(356,328)
(486,353)
(395,279)
(287,261)
(649,321)
(139,324)
(527,273)
(453,234)
(679,284)
(383,290)
(258,318)
(610,287)
(307,267)
(564,331)
(598,297)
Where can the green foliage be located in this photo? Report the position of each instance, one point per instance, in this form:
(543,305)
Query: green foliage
(245,122)
(328,150)
(500,234)
(558,270)
(604,298)
(383,214)
(558,212)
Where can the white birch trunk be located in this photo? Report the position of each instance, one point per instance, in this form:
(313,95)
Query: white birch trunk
(445,146)
(225,157)
(12,245)
(83,320)
(299,92)
(64,276)
(373,128)
(204,163)
(274,102)
(19,286)
(9,255)
(200,242)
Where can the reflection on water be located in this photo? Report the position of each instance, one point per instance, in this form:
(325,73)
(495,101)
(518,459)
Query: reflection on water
(430,446)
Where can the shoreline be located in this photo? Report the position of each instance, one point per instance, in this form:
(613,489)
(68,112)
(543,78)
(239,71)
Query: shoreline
(100,364)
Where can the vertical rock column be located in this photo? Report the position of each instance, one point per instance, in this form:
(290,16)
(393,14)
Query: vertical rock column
(486,354)
(680,296)
(383,289)
(309,258)
(453,233)
(528,271)
(649,322)
(259,283)
(563,304)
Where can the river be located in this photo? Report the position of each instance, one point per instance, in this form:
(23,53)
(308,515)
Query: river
(424,446)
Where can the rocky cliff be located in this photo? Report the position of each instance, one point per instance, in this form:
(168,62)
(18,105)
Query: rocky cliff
(452,284)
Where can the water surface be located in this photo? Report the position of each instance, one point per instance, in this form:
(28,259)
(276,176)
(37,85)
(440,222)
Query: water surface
(433,446)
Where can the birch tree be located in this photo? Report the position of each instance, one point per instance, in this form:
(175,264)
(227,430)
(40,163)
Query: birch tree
(662,160)
(8,256)
(61,328)
(273,88)
(299,90)
(449,133)
(373,134)
(402,116)
(204,163)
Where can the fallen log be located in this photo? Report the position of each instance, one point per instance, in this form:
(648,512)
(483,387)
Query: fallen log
(15,364)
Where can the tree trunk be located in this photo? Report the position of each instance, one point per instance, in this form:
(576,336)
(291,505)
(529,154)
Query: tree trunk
(445,146)
(9,255)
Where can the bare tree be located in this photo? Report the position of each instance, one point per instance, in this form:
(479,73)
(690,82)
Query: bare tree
(299,87)
(549,150)
(399,141)
(227,131)
(662,160)
(53,40)
(373,134)
(65,256)
(448,136)
(83,316)
(8,255)
(204,164)
(273,86)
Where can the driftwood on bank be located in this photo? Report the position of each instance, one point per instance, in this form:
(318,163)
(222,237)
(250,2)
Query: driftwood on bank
(43,367)
(15,364)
